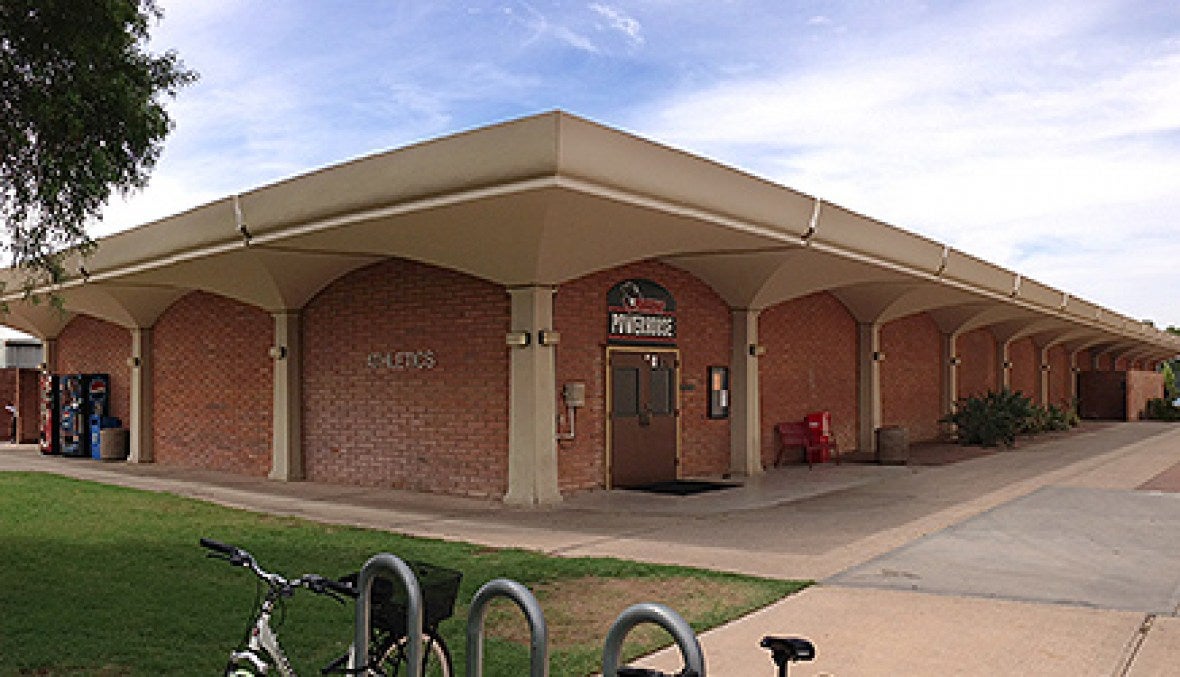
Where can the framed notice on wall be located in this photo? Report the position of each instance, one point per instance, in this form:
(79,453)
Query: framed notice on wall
(718,392)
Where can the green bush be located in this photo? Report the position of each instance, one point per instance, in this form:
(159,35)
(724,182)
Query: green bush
(1043,419)
(994,418)
(1160,409)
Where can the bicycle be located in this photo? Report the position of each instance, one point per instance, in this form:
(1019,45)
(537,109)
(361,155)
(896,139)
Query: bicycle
(260,651)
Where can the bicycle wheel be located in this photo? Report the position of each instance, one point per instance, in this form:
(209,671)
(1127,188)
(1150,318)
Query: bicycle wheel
(436,657)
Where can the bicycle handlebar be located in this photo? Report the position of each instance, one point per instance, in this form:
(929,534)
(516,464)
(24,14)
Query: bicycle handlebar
(316,583)
(218,546)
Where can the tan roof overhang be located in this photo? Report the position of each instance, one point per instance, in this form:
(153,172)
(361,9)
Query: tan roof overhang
(543,200)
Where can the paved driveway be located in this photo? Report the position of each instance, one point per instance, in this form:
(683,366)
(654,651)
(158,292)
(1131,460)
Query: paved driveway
(1100,548)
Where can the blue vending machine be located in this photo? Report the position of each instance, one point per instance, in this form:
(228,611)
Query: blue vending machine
(82,396)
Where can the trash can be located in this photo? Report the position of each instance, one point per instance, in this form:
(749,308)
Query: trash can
(114,444)
(97,425)
(893,445)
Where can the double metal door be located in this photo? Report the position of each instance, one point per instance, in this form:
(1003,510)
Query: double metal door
(643,418)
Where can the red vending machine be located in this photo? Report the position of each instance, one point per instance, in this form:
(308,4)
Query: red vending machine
(50,430)
(819,433)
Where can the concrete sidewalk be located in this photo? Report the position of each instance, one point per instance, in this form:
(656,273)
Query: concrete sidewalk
(794,523)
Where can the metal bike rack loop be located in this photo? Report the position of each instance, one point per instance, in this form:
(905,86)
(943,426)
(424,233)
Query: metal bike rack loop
(393,566)
(674,623)
(539,631)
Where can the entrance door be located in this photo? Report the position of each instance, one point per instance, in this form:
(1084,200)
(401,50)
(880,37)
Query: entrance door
(643,416)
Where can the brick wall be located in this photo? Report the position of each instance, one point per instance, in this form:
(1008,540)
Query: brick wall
(1085,362)
(213,385)
(1141,387)
(910,376)
(1105,363)
(1060,376)
(977,372)
(443,429)
(89,345)
(1025,375)
(809,365)
(705,333)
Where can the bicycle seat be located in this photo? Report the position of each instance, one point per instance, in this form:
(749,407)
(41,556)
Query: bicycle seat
(784,649)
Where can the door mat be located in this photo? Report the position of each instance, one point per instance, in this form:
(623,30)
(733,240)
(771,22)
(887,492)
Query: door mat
(682,487)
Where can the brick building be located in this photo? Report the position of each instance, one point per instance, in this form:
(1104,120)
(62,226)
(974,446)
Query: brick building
(546,306)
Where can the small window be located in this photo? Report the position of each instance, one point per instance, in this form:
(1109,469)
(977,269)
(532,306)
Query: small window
(662,391)
(625,391)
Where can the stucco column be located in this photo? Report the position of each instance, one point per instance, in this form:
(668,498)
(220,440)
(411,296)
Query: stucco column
(1043,367)
(532,402)
(745,415)
(950,372)
(1003,372)
(287,433)
(49,354)
(868,391)
(140,425)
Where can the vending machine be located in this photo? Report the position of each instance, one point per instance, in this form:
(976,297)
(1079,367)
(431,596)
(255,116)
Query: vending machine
(50,426)
(81,396)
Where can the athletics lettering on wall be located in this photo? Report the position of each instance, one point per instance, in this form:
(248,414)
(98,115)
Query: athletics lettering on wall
(640,312)
(403,360)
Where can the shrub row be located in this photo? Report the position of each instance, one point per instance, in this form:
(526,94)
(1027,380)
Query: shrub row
(1161,409)
(998,417)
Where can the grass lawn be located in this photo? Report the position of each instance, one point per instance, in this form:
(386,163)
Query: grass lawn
(101,580)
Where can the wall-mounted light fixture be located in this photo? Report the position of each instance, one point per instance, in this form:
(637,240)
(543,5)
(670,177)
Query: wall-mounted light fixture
(43,366)
(878,356)
(757,350)
(548,337)
(1076,370)
(955,360)
(1007,364)
(278,352)
(517,339)
(133,362)
(1045,367)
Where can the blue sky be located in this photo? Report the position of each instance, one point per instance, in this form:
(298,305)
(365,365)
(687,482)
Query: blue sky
(1043,136)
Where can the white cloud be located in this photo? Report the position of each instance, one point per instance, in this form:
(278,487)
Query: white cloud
(543,28)
(620,21)
(993,141)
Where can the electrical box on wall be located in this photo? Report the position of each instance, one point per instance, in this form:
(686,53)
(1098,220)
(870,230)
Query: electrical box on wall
(718,392)
(574,394)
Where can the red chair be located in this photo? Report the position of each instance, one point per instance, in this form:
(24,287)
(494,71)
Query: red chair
(814,451)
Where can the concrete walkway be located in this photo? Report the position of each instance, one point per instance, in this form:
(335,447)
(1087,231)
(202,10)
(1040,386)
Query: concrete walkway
(1046,560)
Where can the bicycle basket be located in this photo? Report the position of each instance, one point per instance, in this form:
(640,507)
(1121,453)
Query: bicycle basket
(439,585)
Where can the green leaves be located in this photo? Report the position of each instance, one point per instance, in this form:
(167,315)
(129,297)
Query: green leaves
(80,119)
(998,417)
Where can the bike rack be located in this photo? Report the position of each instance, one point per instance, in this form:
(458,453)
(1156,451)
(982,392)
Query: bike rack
(674,623)
(394,567)
(539,645)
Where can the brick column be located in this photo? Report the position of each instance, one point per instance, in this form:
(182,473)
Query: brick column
(287,438)
(140,425)
(745,431)
(868,391)
(532,405)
